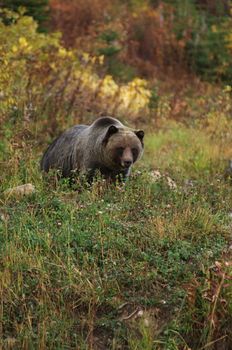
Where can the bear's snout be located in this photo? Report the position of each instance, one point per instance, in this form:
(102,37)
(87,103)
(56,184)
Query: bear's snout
(127,158)
(126,163)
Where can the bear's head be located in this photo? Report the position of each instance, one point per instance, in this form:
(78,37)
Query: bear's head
(122,147)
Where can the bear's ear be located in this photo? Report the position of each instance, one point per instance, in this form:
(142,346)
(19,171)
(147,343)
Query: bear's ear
(111,130)
(140,134)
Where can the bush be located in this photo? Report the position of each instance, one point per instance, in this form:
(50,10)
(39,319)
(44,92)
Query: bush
(49,80)
(38,9)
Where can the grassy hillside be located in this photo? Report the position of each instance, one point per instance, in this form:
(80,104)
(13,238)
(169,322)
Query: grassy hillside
(145,266)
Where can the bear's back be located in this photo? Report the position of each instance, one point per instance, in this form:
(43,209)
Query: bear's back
(60,147)
(105,122)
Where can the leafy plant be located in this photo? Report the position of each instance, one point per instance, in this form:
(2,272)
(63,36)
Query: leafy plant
(38,9)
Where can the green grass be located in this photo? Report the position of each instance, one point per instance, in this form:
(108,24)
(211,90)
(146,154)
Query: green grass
(130,267)
(189,151)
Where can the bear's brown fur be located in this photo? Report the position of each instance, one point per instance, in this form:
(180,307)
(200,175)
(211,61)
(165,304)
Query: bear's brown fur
(106,146)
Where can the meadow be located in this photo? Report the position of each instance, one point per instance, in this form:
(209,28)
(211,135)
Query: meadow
(141,266)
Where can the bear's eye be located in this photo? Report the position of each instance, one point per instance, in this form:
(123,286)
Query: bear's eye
(135,153)
(120,150)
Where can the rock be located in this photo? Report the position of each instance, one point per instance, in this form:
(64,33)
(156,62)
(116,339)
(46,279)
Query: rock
(20,191)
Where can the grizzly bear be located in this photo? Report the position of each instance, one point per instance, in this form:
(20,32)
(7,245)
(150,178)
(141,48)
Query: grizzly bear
(105,146)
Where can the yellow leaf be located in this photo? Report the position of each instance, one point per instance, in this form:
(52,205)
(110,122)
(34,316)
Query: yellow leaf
(101,59)
(62,52)
(23,41)
(85,57)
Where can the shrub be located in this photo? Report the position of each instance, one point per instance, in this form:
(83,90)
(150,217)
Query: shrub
(53,82)
(38,9)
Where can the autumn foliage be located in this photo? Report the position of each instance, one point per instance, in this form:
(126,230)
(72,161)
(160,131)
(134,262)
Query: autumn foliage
(59,82)
(77,18)
(153,36)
